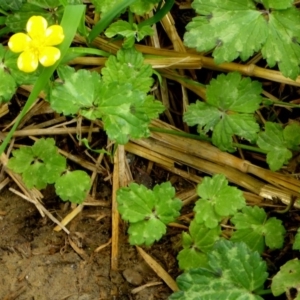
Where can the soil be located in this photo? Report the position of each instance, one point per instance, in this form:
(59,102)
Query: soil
(38,263)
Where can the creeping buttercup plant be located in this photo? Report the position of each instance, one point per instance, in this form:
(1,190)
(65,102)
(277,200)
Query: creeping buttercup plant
(218,261)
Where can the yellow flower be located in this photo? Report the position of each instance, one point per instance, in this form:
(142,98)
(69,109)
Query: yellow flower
(36,45)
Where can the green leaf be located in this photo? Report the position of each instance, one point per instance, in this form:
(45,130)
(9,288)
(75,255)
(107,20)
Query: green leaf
(7,85)
(20,77)
(231,28)
(73,186)
(123,111)
(45,3)
(217,200)
(39,164)
(71,15)
(196,244)
(119,99)
(277,4)
(291,135)
(140,7)
(77,90)
(11,4)
(148,211)
(105,6)
(235,29)
(287,278)
(235,272)
(254,229)
(11,76)
(16,22)
(276,142)
(130,31)
(282,44)
(128,67)
(296,244)
(231,103)
(146,232)
(21,160)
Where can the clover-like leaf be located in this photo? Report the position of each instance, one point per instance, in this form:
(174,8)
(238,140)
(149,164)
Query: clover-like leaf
(39,164)
(217,200)
(256,230)
(231,103)
(235,272)
(73,186)
(278,142)
(235,29)
(148,211)
(196,244)
(287,278)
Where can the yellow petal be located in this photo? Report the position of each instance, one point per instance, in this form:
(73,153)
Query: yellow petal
(28,61)
(36,27)
(48,56)
(19,42)
(54,35)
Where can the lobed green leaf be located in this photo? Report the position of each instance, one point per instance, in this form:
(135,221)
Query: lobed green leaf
(254,229)
(231,102)
(235,272)
(287,278)
(277,141)
(148,211)
(73,186)
(217,200)
(196,244)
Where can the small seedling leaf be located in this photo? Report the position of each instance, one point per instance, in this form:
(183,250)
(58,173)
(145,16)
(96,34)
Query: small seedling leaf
(148,211)
(73,186)
(287,278)
(254,229)
(231,103)
(217,200)
(196,244)
(40,164)
(235,272)
(130,31)
(277,142)
(146,232)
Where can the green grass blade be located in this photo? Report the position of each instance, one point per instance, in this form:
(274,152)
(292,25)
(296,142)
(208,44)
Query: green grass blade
(69,22)
(159,15)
